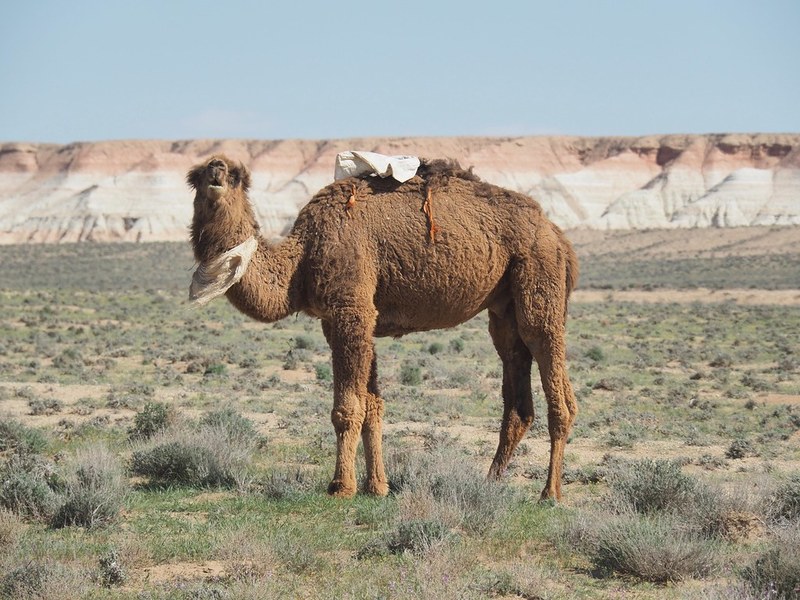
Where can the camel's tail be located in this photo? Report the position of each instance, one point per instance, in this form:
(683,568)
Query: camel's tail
(572,270)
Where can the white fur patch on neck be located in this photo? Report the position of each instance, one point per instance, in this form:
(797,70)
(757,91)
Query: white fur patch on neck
(214,277)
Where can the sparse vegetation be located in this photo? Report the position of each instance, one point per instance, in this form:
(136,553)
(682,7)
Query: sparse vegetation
(93,491)
(223,455)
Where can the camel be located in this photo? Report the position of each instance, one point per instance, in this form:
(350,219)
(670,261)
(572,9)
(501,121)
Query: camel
(375,257)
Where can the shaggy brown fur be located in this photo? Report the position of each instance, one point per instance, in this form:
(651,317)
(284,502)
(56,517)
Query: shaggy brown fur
(370,268)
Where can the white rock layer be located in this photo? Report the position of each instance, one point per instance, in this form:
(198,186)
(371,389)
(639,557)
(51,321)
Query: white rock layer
(135,190)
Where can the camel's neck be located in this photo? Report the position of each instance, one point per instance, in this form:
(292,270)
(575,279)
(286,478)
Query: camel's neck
(270,288)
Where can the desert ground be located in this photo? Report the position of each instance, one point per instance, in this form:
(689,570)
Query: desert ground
(682,350)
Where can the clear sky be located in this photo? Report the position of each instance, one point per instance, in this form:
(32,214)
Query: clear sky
(74,70)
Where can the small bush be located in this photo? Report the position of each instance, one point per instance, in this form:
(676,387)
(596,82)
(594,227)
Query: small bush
(153,417)
(650,486)
(26,486)
(207,456)
(410,373)
(48,406)
(740,448)
(460,494)
(456,345)
(323,372)
(786,499)
(215,369)
(303,342)
(288,483)
(43,580)
(435,348)
(112,572)
(417,536)
(775,573)
(94,490)
(16,436)
(716,513)
(651,548)
(596,354)
(295,554)
(232,421)
(11,529)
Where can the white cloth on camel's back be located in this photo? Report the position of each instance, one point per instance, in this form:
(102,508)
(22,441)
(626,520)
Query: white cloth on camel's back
(356,162)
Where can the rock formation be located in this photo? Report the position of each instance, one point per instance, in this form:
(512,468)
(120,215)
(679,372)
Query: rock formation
(134,190)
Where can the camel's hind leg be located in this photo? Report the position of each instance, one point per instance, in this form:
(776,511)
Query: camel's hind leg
(540,297)
(517,399)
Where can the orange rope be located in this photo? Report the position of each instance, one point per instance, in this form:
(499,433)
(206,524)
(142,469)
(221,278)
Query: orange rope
(351,202)
(427,208)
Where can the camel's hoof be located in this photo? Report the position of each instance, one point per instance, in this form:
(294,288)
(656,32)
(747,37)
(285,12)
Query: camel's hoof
(376,488)
(549,498)
(339,489)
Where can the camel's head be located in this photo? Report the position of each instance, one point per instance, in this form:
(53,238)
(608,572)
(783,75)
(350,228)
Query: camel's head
(218,177)
(223,216)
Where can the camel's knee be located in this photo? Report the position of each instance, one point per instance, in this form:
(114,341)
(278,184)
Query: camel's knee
(345,418)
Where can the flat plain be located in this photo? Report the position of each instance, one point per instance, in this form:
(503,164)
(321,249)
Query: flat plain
(682,350)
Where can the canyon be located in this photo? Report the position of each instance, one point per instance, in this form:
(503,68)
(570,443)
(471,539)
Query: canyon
(135,190)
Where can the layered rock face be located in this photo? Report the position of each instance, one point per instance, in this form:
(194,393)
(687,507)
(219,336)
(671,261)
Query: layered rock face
(135,190)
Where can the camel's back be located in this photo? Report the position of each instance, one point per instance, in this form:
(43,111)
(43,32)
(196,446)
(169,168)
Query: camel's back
(439,244)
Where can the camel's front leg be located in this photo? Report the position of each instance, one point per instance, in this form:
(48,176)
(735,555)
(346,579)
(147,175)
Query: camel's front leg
(350,337)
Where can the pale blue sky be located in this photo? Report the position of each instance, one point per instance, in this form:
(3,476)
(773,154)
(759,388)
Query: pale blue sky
(110,69)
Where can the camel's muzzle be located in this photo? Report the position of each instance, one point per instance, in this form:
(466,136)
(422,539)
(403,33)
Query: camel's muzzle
(217,173)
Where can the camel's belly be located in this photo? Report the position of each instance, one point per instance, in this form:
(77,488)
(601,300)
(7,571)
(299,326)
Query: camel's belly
(419,307)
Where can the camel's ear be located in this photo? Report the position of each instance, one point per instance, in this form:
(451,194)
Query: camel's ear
(240,175)
(195,176)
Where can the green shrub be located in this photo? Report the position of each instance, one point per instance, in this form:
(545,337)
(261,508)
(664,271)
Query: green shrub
(215,369)
(27,485)
(786,499)
(435,348)
(775,573)
(37,579)
(410,373)
(740,448)
(11,529)
(48,406)
(323,372)
(296,554)
(94,490)
(417,536)
(112,572)
(649,486)
(596,354)
(206,456)
(651,548)
(456,345)
(231,421)
(452,482)
(287,483)
(153,417)
(16,436)
(303,342)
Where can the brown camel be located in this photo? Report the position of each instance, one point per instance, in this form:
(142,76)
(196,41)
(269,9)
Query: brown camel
(375,257)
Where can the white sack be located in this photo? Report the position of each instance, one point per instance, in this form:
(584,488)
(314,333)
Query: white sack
(356,162)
